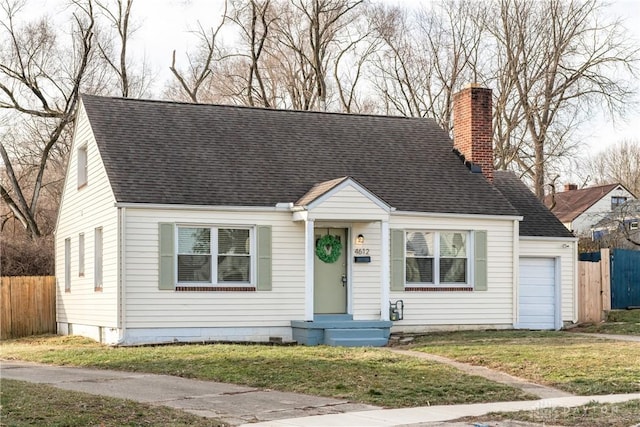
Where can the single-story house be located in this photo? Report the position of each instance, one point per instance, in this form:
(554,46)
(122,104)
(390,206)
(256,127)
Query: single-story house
(580,209)
(194,223)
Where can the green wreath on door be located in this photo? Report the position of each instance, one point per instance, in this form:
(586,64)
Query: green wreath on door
(328,248)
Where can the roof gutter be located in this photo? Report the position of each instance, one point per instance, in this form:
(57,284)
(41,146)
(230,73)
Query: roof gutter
(563,239)
(456,215)
(167,206)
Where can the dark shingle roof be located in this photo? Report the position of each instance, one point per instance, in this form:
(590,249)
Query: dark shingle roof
(197,154)
(570,204)
(538,220)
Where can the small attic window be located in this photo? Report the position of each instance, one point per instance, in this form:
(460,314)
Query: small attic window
(82,166)
(617,201)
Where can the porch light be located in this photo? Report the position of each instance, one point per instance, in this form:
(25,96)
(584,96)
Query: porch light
(360,239)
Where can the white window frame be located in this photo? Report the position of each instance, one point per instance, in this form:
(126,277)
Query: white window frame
(213,249)
(81,255)
(83,166)
(98,264)
(619,201)
(436,260)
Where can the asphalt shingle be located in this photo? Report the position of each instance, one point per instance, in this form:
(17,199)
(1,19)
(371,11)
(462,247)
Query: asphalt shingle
(537,219)
(568,205)
(197,154)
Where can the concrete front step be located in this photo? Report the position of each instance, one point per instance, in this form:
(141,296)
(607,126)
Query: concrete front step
(339,331)
(356,342)
(364,337)
(354,333)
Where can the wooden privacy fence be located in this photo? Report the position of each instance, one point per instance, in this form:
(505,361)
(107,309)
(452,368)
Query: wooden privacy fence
(594,289)
(27,306)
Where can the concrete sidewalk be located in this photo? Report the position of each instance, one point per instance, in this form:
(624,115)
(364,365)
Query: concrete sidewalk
(433,414)
(241,405)
(230,403)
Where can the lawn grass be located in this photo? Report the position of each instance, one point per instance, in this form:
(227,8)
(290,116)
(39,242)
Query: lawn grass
(574,363)
(367,375)
(593,414)
(624,322)
(28,404)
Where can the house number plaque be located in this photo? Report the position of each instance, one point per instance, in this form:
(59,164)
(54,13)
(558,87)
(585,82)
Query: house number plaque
(361,255)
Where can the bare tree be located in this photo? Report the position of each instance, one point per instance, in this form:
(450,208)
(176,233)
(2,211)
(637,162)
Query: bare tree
(248,76)
(558,60)
(306,37)
(132,82)
(39,86)
(428,56)
(291,54)
(618,163)
(201,62)
(350,67)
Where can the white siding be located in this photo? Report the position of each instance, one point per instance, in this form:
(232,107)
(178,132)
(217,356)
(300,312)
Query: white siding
(348,204)
(365,277)
(566,250)
(148,307)
(81,211)
(426,310)
(583,223)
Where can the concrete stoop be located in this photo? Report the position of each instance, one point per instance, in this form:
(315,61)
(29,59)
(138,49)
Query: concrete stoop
(340,330)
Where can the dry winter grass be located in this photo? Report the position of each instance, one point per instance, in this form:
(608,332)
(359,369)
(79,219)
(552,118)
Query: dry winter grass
(367,375)
(574,363)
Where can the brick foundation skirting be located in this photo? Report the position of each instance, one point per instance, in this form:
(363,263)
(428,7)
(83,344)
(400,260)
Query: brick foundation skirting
(437,289)
(215,289)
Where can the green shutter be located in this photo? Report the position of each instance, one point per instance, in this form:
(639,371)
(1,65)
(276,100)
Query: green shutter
(397,260)
(166,262)
(480,261)
(264,258)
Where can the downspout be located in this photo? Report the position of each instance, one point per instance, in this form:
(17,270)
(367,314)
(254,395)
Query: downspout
(575,281)
(121,300)
(516,270)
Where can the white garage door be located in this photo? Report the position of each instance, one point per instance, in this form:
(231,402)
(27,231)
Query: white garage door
(537,296)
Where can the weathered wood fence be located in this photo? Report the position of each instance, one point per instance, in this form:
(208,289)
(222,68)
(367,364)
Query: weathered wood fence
(27,306)
(594,289)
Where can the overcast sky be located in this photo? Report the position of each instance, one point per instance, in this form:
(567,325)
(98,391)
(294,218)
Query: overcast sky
(165,24)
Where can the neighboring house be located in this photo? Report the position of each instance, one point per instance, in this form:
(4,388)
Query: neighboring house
(620,228)
(188,222)
(580,210)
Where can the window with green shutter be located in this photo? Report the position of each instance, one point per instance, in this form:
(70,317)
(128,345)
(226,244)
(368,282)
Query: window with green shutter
(437,259)
(194,257)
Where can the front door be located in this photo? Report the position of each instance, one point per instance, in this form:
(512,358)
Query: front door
(330,271)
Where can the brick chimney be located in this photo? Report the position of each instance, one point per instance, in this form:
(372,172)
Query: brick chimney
(473,128)
(570,187)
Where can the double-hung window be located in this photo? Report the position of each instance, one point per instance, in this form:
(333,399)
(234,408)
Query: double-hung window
(617,201)
(214,255)
(437,258)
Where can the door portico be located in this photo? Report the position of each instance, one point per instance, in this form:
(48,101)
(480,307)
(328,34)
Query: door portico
(343,204)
